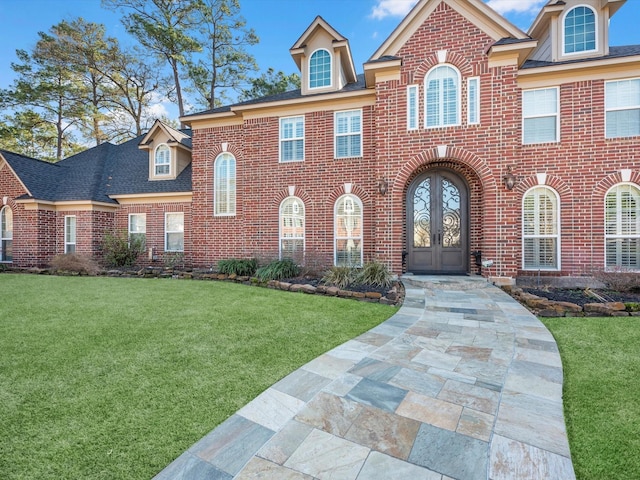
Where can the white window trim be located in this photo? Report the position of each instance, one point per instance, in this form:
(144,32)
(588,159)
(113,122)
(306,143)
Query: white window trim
(458,97)
(231,195)
(564,37)
(330,70)
(304,226)
(557,236)
(476,103)
(145,224)
(615,236)
(3,213)
(349,134)
(617,109)
(413,90)
(156,164)
(66,233)
(281,140)
(335,228)
(167,231)
(557,115)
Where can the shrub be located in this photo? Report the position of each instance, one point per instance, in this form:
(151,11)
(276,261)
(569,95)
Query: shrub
(278,269)
(174,260)
(74,263)
(340,276)
(619,279)
(120,250)
(374,273)
(632,306)
(236,266)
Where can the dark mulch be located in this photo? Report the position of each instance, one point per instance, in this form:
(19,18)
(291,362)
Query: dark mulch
(581,296)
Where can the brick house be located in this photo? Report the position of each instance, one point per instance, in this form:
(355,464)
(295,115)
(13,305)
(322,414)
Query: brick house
(464,138)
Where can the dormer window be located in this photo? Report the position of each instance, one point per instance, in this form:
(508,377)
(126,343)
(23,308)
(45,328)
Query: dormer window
(320,69)
(162,160)
(579,30)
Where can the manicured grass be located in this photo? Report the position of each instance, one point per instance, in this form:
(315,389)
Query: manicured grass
(104,378)
(601,362)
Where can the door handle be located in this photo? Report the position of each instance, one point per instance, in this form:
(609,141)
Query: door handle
(439,237)
(434,238)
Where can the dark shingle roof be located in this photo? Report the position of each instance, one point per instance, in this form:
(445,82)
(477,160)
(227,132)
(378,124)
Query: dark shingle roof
(280,97)
(95,174)
(511,40)
(40,178)
(614,52)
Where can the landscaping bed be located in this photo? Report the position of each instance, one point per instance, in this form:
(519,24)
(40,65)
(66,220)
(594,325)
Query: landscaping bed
(565,302)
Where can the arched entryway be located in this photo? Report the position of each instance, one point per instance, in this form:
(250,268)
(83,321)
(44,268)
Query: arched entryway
(438,223)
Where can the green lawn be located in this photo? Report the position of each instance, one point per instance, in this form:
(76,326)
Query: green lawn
(107,378)
(601,361)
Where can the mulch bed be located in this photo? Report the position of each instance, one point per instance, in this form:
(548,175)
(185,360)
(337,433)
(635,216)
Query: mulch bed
(582,296)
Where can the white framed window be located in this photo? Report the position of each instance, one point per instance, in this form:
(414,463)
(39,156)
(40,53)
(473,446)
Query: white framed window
(70,234)
(622,227)
(174,232)
(292,139)
(579,30)
(138,227)
(412,107)
(348,231)
(541,229)
(442,97)
(292,229)
(348,134)
(473,100)
(162,160)
(622,108)
(320,69)
(540,116)
(224,185)
(6,234)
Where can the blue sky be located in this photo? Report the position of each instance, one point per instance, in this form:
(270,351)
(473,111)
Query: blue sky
(278,23)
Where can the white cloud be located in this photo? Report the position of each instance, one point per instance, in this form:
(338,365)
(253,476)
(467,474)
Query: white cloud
(516,6)
(392,8)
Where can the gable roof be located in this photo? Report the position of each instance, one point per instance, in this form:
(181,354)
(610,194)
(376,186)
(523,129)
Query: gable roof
(96,174)
(174,135)
(340,43)
(476,11)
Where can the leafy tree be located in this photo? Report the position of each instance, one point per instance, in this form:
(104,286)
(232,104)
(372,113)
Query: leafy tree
(225,62)
(271,83)
(163,27)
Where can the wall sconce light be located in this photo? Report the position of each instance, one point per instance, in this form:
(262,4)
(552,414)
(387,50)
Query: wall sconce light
(383,186)
(509,179)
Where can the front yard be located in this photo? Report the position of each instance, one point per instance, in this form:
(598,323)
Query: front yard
(104,378)
(601,362)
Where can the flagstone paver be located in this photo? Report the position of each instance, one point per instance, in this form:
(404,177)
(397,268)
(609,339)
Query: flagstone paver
(462,383)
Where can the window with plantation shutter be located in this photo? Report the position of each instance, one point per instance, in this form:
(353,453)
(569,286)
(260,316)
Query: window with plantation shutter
(6,234)
(622,108)
(442,97)
(540,119)
(292,229)
(348,134)
(224,186)
(292,139)
(348,231)
(622,227)
(541,225)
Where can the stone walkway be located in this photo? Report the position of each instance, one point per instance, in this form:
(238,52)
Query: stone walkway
(462,383)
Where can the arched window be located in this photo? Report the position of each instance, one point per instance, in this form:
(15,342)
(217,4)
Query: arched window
(224,188)
(579,30)
(541,227)
(162,160)
(622,227)
(6,234)
(348,231)
(320,69)
(442,103)
(292,229)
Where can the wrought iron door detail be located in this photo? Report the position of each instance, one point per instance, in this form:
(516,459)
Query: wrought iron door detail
(451,220)
(422,214)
